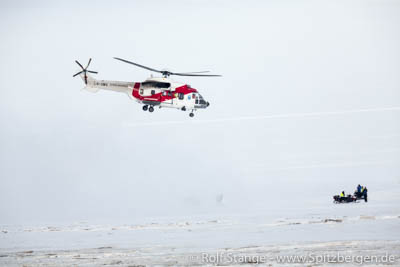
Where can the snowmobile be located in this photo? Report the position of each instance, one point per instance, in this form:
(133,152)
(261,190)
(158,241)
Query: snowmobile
(347,199)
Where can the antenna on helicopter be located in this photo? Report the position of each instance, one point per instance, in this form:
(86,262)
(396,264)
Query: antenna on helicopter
(167,73)
(84,70)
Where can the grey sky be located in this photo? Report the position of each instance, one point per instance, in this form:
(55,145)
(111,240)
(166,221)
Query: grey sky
(67,154)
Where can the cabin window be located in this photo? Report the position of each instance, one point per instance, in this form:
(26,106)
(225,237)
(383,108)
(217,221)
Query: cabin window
(169,93)
(153,92)
(155,84)
(141,91)
(181,96)
(164,93)
(193,95)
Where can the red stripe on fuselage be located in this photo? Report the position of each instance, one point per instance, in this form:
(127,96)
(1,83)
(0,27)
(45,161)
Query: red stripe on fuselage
(159,97)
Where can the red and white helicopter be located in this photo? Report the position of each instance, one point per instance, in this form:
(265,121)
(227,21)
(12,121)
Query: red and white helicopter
(154,91)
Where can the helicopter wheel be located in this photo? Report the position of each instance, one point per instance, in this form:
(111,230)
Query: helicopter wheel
(145,107)
(151,109)
(191,114)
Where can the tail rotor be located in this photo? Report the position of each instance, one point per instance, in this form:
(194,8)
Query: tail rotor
(84,70)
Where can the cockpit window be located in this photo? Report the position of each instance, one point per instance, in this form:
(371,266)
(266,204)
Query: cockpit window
(200,100)
(154,84)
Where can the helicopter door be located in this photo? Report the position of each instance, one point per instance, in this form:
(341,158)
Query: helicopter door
(168,97)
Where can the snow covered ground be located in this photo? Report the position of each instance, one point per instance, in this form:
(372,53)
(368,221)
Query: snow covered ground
(246,210)
(261,220)
(358,230)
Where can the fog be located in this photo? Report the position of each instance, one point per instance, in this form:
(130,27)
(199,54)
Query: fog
(70,155)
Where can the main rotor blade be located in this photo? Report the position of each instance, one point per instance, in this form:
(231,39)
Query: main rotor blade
(195,75)
(190,72)
(95,72)
(138,65)
(90,60)
(78,73)
(79,64)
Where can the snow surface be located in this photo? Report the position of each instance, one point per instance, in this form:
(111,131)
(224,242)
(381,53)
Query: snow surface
(356,229)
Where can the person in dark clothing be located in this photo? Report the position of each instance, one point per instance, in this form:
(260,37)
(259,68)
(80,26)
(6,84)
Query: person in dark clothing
(365,194)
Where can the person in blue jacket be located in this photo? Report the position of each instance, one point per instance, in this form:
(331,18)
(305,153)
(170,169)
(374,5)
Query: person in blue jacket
(359,189)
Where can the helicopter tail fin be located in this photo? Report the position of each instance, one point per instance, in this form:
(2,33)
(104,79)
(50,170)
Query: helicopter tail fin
(84,74)
(90,83)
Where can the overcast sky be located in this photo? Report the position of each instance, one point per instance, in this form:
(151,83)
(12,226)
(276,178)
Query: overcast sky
(68,155)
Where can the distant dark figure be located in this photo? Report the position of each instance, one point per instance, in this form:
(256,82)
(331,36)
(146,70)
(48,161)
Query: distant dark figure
(365,194)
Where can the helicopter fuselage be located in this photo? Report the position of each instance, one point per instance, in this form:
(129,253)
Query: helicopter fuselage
(161,92)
